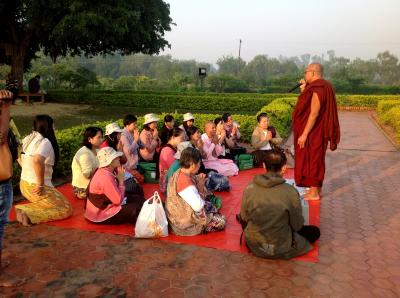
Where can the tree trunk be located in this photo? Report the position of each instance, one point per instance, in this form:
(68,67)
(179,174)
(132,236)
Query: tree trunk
(17,67)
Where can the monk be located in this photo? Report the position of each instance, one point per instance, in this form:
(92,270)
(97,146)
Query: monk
(315,123)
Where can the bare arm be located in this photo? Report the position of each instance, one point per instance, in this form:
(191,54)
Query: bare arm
(315,107)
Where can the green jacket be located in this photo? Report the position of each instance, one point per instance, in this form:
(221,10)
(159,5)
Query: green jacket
(272,210)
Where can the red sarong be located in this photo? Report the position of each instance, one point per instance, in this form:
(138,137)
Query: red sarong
(310,161)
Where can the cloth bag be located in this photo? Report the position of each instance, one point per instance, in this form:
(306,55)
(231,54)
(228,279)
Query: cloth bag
(152,221)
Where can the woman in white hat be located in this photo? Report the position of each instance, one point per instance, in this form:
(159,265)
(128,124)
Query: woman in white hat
(106,201)
(149,139)
(188,121)
(112,136)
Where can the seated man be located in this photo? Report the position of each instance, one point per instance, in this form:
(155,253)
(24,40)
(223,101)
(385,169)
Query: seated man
(212,149)
(271,213)
(232,137)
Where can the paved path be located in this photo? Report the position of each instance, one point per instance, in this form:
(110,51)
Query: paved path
(359,246)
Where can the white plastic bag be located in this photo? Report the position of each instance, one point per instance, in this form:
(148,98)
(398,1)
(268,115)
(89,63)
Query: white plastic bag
(152,221)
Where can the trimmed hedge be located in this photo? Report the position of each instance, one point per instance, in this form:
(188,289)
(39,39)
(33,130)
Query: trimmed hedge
(363,100)
(389,113)
(169,102)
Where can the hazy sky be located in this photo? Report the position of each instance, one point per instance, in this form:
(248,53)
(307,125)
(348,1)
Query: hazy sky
(208,29)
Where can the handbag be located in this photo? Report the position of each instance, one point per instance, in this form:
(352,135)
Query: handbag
(6,165)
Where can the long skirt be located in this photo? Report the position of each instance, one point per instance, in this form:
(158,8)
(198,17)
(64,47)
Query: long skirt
(49,206)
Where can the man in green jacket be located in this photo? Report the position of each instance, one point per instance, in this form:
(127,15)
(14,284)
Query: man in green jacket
(271,210)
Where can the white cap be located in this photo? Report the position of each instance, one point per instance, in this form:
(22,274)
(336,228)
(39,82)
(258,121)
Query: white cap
(188,116)
(112,127)
(181,146)
(106,155)
(148,118)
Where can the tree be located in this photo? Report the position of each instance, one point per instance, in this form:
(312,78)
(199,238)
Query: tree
(79,27)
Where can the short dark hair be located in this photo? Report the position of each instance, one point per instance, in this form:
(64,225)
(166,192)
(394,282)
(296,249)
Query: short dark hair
(225,116)
(37,76)
(168,118)
(129,119)
(191,131)
(261,115)
(217,120)
(90,132)
(189,156)
(175,132)
(274,160)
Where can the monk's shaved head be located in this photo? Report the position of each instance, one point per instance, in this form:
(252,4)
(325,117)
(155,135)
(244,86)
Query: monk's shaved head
(316,67)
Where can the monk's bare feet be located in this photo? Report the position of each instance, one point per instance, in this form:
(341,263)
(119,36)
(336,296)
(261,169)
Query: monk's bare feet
(8,280)
(312,194)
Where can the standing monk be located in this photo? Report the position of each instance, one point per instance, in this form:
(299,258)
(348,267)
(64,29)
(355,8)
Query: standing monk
(315,123)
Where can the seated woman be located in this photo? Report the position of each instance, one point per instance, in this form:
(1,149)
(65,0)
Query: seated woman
(194,136)
(264,138)
(129,143)
(213,149)
(107,203)
(188,121)
(40,155)
(167,155)
(169,124)
(85,162)
(150,142)
(232,137)
(176,165)
(187,212)
(112,136)
(271,213)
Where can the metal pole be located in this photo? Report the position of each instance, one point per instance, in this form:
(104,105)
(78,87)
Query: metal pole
(240,47)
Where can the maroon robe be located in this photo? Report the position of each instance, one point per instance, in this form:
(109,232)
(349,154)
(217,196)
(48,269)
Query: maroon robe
(310,161)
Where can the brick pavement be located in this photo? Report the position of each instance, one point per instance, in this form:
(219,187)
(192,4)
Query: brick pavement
(359,247)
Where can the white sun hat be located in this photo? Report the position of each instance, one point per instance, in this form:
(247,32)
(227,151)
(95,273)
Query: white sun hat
(113,127)
(148,118)
(188,116)
(106,155)
(181,146)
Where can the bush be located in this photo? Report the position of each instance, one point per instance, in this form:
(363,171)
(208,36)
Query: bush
(244,103)
(363,100)
(389,113)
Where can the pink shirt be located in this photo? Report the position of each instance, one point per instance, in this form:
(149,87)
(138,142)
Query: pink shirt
(104,182)
(149,143)
(209,147)
(166,160)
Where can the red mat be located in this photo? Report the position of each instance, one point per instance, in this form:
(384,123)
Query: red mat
(225,240)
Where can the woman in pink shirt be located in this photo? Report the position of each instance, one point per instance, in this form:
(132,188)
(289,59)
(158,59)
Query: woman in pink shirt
(106,201)
(150,142)
(176,136)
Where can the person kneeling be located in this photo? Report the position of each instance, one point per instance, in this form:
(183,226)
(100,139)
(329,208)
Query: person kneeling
(271,213)
(187,211)
(106,201)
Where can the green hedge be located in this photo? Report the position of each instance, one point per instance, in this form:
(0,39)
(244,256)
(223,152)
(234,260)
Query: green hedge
(363,100)
(389,113)
(169,102)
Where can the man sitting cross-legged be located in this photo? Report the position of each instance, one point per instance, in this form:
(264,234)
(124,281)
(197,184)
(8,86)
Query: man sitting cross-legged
(271,213)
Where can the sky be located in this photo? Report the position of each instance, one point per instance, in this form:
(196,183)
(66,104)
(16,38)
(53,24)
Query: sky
(209,29)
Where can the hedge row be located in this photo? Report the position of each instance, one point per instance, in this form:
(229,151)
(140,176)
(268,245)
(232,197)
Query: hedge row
(363,100)
(280,110)
(198,102)
(389,113)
